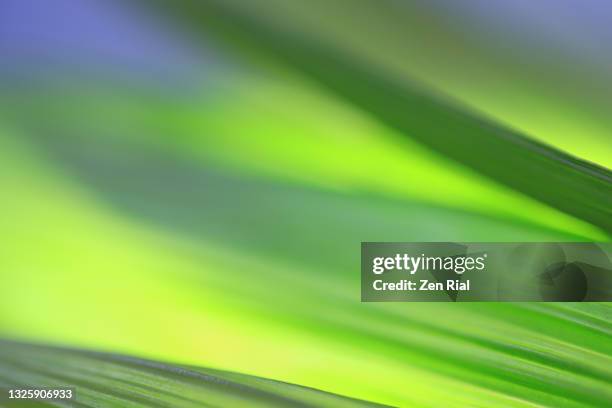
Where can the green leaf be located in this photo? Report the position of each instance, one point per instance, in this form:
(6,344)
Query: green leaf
(111,380)
(549,175)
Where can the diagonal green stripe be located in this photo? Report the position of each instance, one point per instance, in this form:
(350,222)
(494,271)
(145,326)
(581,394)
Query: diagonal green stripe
(565,182)
(112,380)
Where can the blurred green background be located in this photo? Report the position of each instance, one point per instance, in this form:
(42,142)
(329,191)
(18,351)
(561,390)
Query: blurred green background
(190,181)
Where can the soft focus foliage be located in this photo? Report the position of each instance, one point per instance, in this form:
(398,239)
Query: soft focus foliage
(190,181)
